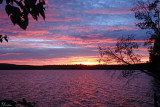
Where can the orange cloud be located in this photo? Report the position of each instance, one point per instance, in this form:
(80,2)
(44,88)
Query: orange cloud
(11,54)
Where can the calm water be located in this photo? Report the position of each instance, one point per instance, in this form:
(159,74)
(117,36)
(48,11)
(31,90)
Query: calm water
(60,88)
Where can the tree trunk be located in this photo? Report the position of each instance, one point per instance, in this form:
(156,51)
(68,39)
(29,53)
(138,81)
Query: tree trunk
(155,56)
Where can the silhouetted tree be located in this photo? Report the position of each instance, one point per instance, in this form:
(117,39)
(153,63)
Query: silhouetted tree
(122,52)
(148,14)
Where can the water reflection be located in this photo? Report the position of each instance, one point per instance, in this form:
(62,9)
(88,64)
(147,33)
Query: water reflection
(154,92)
(76,88)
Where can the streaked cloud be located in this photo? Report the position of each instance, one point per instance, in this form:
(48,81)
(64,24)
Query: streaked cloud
(71,33)
(115,11)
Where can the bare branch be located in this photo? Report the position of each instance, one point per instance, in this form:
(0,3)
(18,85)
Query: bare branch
(123,52)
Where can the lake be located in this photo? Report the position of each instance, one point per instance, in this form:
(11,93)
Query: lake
(89,88)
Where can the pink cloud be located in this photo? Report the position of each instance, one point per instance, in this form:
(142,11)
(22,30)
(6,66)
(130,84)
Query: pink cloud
(63,20)
(33,33)
(93,35)
(78,41)
(82,42)
(77,29)
(30,34)
(40,40)
(58,39)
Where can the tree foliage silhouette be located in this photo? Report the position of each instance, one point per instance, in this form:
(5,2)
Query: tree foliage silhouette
(3,38)
(149,15)
(19,10)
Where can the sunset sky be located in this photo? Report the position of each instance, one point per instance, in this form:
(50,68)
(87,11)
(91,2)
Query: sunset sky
(71,33)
